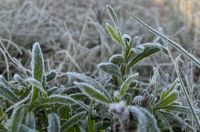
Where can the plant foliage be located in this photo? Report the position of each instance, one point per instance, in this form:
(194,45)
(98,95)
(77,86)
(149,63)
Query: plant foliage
(38,102)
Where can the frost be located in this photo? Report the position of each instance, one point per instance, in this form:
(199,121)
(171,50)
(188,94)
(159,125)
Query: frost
(126,38)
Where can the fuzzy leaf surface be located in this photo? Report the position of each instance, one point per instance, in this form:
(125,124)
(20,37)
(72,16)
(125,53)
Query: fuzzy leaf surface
(149,49)
(92,92)
(54,123)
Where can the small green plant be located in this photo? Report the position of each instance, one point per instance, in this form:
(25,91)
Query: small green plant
(35,107)
(155,111)
(38,102)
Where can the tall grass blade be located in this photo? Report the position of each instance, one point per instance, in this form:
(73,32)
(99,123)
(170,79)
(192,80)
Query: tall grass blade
(174,44)
(186,93)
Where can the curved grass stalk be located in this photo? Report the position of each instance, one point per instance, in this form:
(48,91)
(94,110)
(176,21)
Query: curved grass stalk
(173,43)
(185,92)
(183,87)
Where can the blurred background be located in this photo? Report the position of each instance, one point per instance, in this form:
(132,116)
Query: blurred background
(73,37)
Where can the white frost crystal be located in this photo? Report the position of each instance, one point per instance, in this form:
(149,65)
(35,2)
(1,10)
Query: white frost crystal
(126,38)
(117,109)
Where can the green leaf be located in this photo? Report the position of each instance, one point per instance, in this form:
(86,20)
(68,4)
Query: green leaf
(51,75)
(17,118)
(126,84)
(91,82)
(56,99)
(78,96)
(37,66)
(165,92)
(92,92)
(73,120)
(112,14)
(117,59)
(37,62)
(36,84)
(110,68)
(149,49)
(167,100)
(113,33)
(65,112)
(54,123)
(8,94)
(30,120)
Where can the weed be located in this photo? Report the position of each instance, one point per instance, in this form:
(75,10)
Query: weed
(39,103)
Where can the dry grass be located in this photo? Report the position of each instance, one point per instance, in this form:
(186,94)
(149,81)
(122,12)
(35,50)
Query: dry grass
(72,32)
(73,37)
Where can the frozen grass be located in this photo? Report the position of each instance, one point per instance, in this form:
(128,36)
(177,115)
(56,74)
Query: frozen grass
(73,38)
(75,29)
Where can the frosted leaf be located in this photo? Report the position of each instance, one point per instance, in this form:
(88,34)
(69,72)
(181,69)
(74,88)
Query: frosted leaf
(110,68)
(117,59)
(126,38)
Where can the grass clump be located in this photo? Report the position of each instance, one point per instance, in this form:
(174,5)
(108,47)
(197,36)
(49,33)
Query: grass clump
(121,102)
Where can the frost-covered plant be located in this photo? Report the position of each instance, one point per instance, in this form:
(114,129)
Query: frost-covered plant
(38,102)
(157,111)
(31,104)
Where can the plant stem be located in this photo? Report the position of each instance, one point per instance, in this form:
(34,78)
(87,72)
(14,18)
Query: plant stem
(183,87)
(186,93)
(174,44)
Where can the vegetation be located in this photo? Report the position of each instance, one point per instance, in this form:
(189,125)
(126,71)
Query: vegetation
(117,99)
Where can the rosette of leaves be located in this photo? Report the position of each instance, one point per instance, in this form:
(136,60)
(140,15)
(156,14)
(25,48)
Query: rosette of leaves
(29,103)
